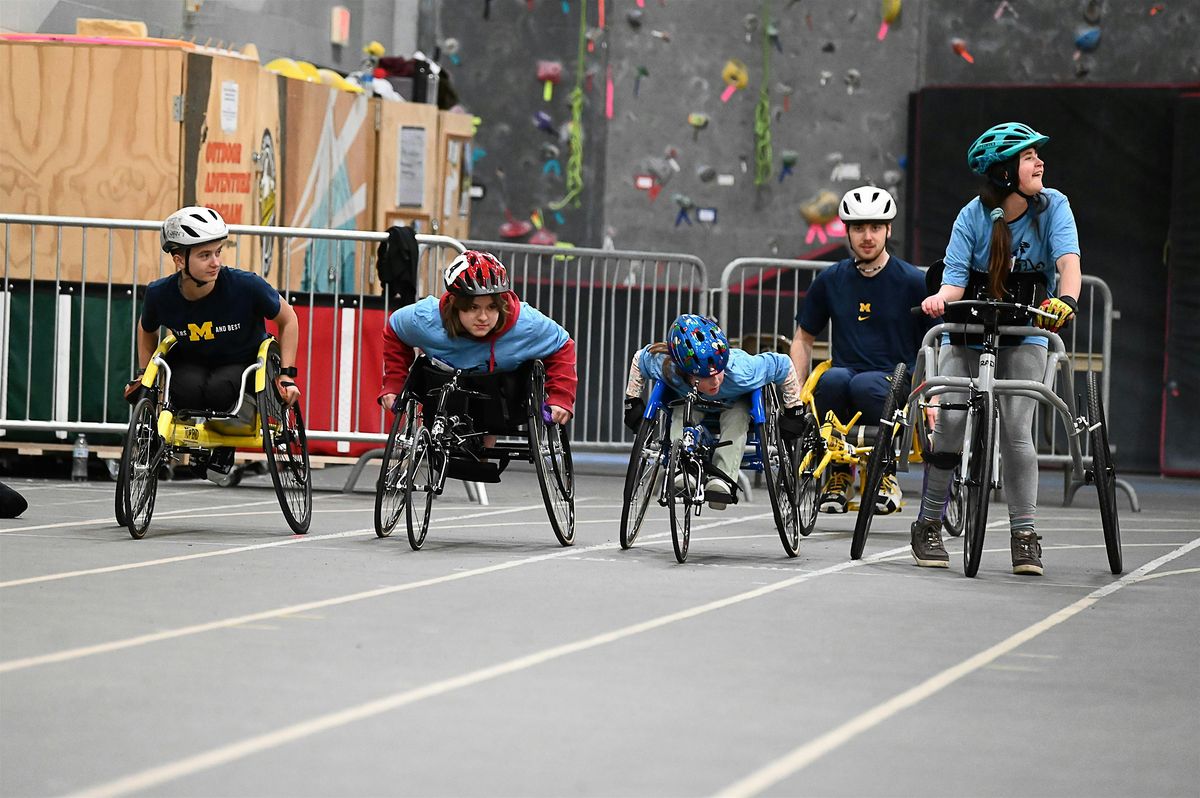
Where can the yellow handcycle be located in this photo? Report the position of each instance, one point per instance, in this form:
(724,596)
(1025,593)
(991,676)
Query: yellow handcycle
(160,433)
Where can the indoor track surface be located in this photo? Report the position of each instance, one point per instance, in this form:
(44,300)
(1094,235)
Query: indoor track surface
(222,656)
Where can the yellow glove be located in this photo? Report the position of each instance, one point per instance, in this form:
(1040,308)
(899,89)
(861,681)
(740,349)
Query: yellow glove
(1063,308)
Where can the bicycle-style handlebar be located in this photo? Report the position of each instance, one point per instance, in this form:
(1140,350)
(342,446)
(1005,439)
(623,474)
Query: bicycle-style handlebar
(994,304)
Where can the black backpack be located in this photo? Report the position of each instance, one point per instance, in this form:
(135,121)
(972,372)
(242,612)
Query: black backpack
(397,262)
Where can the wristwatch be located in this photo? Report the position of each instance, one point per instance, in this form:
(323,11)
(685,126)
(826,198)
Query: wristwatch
(290,371)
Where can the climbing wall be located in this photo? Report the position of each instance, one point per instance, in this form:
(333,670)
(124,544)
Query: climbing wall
(837,83)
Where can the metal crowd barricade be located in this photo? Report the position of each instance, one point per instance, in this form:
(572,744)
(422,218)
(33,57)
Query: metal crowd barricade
(760,298)
(71,300)
(612,302)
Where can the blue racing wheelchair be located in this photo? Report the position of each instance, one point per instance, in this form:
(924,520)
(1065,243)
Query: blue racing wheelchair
(676,471)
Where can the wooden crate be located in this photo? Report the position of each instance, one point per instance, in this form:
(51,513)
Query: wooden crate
(454,203)
(328,149)
(126,131)
(87,130)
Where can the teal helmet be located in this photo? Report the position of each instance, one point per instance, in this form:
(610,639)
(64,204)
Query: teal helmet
(1001,143)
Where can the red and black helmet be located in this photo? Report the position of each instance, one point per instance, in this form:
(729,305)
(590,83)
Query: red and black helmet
(475,273)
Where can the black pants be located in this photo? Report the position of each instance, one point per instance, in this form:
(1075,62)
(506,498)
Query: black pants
(195,386)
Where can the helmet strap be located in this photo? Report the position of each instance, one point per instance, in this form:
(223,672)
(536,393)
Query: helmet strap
(187,268)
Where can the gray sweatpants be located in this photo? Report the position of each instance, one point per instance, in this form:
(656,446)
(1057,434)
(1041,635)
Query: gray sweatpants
(735,423)
(1018,455)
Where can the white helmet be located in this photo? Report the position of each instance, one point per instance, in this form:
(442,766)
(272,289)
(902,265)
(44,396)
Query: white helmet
(867,204)
(192,226)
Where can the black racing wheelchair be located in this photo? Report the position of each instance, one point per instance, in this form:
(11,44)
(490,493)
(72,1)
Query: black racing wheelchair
(161,432)
(454,424)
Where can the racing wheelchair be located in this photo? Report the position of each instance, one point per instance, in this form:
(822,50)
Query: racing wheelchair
(977,474)
(443,428)
(160,433)
(685,466)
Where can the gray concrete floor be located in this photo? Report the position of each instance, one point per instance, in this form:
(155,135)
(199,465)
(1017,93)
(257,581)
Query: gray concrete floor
(222,656)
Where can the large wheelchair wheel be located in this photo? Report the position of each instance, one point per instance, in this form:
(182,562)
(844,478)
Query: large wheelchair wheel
(137,475)
(645,461)
(807,454)
(422,477)
(882,457)
(550,448)
(1104,474)
(679,499)
(780,472)
(389,492)
(978,483)
(286,447)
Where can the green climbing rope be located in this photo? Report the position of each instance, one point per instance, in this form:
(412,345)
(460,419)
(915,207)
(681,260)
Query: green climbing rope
(762,112)
(574,172)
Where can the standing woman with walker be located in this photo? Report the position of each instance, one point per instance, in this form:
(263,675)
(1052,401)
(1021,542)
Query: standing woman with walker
(1016,238)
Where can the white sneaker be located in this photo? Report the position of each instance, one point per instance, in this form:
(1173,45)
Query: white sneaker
(890,495)
(717,487)
(839,490)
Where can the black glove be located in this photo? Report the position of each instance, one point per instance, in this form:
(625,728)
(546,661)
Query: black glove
(635,408)
(793,421)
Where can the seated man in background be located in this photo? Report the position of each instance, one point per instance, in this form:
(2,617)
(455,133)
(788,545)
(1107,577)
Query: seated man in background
(868,298)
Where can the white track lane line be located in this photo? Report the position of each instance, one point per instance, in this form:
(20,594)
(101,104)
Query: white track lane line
(806,754)
(288,541)
(225,623)
(214,757)
(111,521)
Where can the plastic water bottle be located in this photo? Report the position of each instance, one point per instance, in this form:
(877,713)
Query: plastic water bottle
(79,460)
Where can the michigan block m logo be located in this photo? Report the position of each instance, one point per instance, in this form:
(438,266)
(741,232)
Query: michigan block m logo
(198,331)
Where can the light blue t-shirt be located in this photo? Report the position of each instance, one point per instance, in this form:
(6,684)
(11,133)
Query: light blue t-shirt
(1038,241)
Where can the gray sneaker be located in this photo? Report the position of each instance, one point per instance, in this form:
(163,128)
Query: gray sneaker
(927,548)
(1026,553)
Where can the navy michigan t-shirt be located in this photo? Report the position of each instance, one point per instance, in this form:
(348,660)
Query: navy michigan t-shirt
(224,327)
(873,329)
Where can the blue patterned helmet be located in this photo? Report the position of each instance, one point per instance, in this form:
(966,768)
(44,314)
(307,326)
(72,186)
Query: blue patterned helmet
(697,346)
(1000,143)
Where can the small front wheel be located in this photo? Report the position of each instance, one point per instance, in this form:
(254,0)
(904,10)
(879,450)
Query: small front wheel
(978,480)
(684,476)
(422,478)
(390,493)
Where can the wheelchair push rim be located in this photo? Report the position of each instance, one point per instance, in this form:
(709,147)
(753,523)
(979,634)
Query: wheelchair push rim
(779,470)
(286,447)
(550,450)
(881,459)
(645,462)
(137,475)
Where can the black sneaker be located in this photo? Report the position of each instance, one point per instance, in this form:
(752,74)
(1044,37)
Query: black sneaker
(927,548)
(1026,553)
(221,459)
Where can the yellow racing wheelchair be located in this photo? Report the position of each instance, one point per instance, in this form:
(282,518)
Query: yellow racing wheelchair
(872,447)
(161,433)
